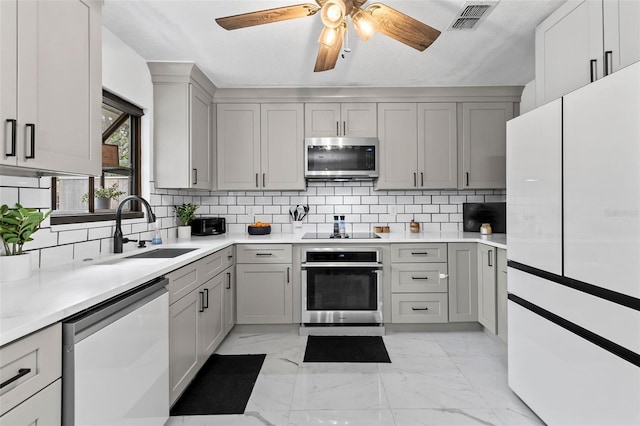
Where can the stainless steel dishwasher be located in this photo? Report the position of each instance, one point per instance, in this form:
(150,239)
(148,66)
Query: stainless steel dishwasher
(115,361)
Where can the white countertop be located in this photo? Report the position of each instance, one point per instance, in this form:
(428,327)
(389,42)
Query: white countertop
(53,294)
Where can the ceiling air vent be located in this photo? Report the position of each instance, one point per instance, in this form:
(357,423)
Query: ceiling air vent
(471,14)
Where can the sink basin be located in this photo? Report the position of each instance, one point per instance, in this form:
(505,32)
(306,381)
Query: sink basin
(161,253)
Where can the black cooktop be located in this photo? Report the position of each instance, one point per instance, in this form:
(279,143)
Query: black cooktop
(330,236)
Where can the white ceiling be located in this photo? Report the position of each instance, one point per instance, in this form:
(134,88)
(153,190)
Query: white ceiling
(500,51)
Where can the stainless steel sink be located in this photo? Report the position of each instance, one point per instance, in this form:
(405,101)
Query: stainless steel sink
(161,253)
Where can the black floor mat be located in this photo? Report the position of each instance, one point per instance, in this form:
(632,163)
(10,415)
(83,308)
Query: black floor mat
(346,349)
(222,386)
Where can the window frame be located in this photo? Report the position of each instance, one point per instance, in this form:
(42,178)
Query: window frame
(135,150)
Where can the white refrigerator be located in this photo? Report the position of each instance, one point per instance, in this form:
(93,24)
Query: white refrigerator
(573,215)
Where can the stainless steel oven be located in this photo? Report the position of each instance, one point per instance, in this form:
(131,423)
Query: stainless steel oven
(341,286)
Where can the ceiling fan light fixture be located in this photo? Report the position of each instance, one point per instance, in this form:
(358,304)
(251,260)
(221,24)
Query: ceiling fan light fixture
(365,24)
(331,37)
(333,13)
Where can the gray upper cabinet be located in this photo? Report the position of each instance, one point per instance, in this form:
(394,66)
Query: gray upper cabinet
(238,144)
(46,94)
(282,146)
(418,145)
(260,146)
(437,146)
(583,41)
(340,119)
(183,124)
(398,135)
(482,158)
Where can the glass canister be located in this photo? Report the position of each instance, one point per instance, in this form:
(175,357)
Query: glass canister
(485,229)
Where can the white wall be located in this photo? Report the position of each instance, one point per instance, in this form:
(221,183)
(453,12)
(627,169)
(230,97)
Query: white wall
(125,73)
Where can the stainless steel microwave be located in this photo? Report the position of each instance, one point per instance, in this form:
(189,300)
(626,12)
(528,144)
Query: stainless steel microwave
(341,158)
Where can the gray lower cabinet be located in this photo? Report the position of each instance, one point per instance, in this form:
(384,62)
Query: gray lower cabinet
(463,282)
(419,283)
(487,287)
(34,363)
(198,317)
(229,300)
(264,289)
(502,294)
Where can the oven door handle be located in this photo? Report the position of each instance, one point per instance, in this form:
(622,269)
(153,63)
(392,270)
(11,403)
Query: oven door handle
(342,265)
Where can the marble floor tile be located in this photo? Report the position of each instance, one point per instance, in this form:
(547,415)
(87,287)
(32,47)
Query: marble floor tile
(338,386)
(249,418)
(412,344)
(440,379)
(341,418)
(446,417)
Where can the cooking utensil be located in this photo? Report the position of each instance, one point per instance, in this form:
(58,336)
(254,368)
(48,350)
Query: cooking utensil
(302,211)
(293,213)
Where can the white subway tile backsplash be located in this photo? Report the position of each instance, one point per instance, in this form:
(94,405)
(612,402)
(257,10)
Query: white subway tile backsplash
(371,199)
(351,200)
(448,208)
(86,250)
(440,199)
(68,237)
(378,208)
(19,182)
(449,227)
(413,208)
(343,190)
(101,232)
(326,191)
(360,190)
(8,196)
(35,198)
(335,200)
(323,209)
(359,208)
(387,199)
(317,200)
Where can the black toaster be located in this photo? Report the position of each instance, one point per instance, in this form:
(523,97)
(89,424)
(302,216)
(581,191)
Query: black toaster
(208,226)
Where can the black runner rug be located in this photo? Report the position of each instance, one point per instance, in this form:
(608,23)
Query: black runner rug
(346,349)
(222,386)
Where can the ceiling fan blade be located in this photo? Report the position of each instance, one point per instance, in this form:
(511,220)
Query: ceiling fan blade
(327,56)
(267,16)
(402,27)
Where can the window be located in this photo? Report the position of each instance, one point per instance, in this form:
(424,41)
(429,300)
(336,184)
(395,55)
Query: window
(87,199)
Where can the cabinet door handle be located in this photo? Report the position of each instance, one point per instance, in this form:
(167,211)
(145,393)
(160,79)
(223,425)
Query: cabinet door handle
(415,179)
(228,280)
(608,62)
(264,254)
(467,176)
(195,176)
(490,258)
(344,128)
(419,309)
(14,124)
(420,278)
(201,301)
(21,372)
(337,128)
(288,277)
(206,298)
(32,140)
(421,179)
(264,179)
(257,183)
(593,69)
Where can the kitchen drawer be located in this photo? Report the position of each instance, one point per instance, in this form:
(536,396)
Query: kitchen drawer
(217,262)
(43,408)
(184,280)
(41,353)
(436,252)
(419,308)
(419,278)
(263,253)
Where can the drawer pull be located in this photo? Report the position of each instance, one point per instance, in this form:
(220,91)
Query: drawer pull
(419,253)
(419,278)
(419,309)
(229,257)
(21,372)
(264,254)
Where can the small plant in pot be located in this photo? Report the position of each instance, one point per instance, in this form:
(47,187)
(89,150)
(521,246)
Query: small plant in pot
(186,215)
(17,225)
(103,196)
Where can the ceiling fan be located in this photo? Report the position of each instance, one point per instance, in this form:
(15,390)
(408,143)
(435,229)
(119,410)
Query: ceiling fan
(366,21)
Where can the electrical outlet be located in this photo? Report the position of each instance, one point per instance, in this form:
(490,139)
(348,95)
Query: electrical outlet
(251,210)
(393,209)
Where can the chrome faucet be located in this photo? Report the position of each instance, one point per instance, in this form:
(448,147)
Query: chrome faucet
(117,235)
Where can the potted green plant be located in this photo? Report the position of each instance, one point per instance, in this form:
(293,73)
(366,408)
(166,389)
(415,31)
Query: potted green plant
(103,196)
(17,225)
(186,214)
